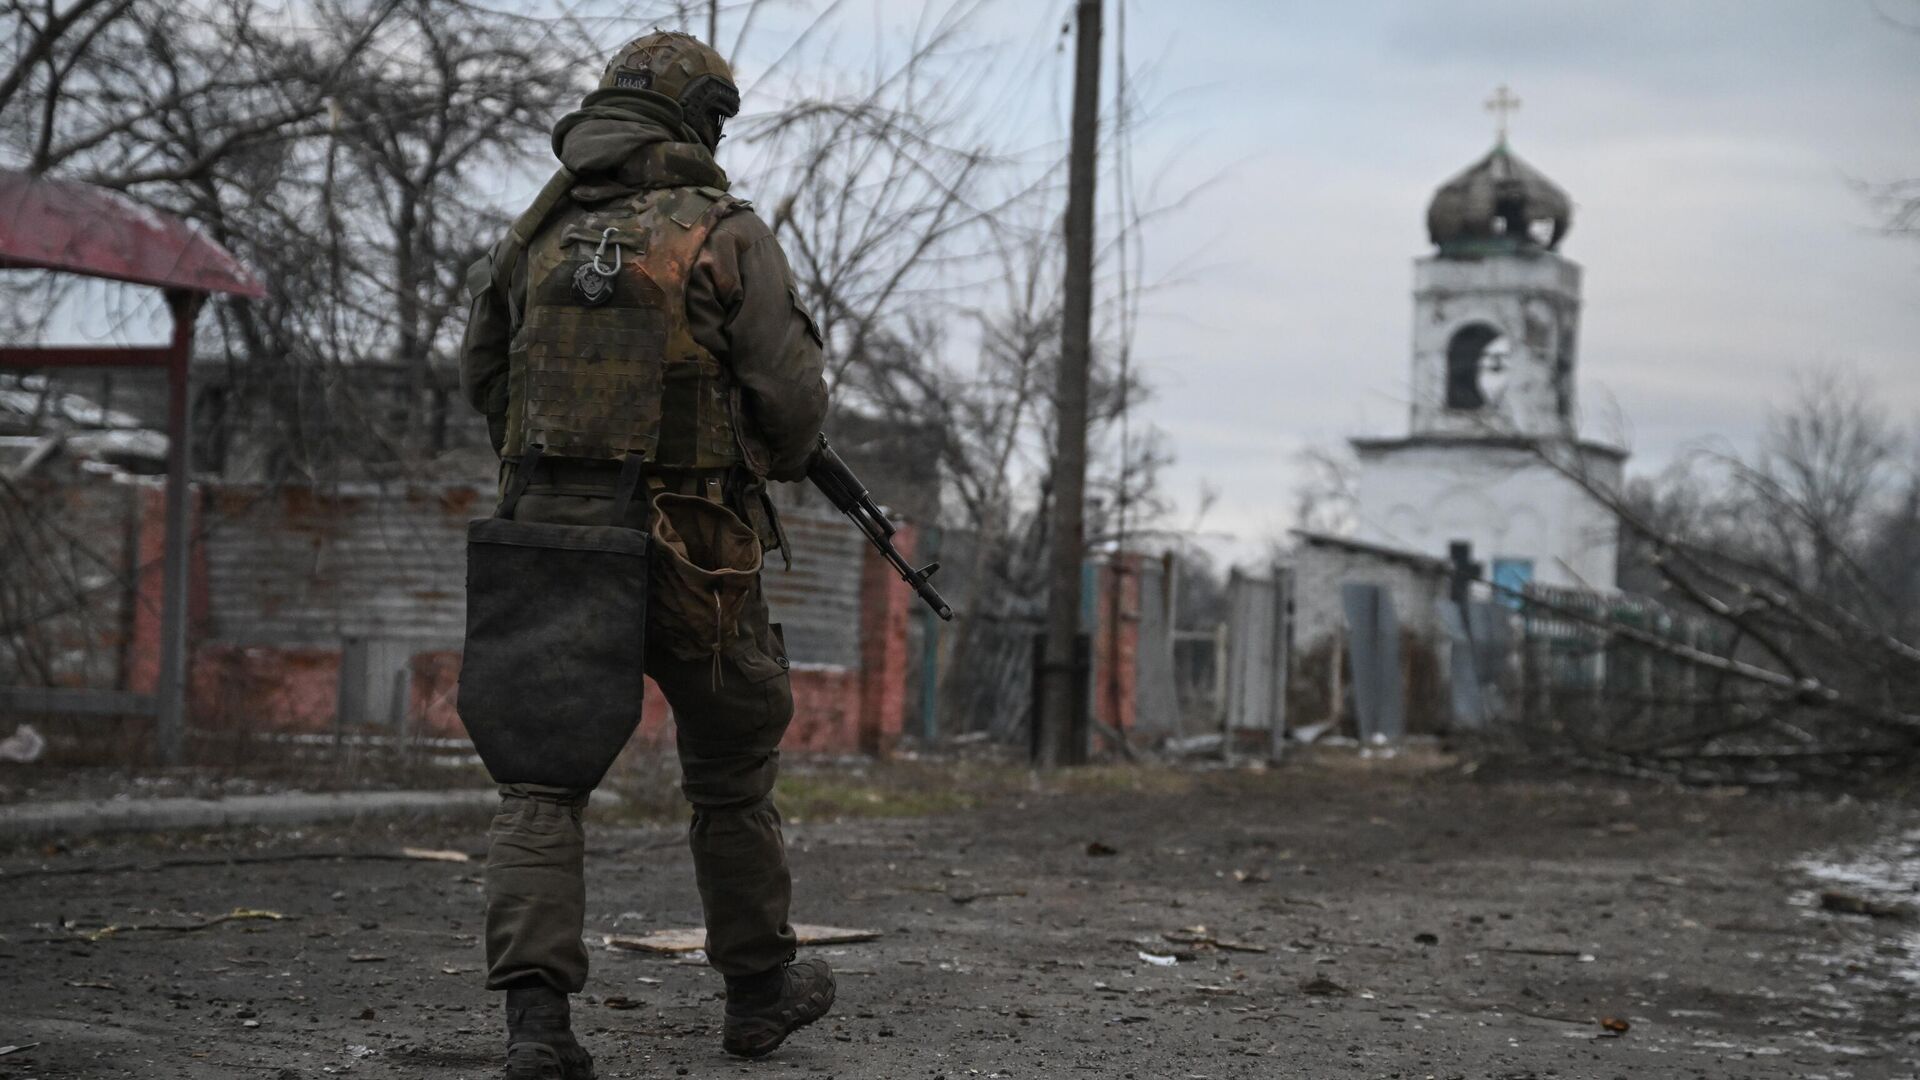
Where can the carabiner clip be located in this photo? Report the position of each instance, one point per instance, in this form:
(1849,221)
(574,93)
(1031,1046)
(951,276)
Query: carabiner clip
(618,255)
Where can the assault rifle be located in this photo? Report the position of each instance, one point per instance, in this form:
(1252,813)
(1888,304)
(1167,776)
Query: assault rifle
(845,491)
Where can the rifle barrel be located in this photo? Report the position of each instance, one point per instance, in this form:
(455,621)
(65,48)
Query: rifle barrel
(845,491)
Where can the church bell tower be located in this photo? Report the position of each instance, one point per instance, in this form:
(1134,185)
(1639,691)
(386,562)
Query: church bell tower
(1496,306)
(1493,463)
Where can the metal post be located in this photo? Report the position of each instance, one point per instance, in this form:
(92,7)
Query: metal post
(1230,653)
(1059,743)
(1282,659)
(930,656)
(1222,685)
(170,730)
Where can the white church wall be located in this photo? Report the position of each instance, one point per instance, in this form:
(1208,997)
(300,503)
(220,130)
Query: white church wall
(1320,569)
(1501,499)
(1417,587)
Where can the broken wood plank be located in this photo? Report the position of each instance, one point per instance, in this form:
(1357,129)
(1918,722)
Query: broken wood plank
(694,939)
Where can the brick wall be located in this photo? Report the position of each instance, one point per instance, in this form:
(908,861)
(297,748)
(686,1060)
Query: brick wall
(288,575)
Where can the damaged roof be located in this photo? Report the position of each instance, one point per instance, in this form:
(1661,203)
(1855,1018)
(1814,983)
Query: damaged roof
(1499,203)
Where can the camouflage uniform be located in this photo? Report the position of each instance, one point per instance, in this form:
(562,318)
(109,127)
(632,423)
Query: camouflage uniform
(703,363)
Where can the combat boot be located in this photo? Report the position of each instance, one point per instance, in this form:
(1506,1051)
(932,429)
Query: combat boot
(540,1042)
(762,1010)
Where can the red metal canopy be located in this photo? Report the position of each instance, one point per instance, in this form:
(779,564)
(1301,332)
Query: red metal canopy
(81,229)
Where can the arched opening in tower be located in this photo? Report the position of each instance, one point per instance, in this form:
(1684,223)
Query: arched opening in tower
(1476,351)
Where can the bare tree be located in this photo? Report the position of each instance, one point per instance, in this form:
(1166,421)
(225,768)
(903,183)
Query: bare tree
(1326,498)
(353,151)
(344,150)
(1785,576)
(1825,463)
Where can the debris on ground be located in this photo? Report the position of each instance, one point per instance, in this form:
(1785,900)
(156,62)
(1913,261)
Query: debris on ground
(990,894)
(1844,903)
(1194,745)
(435,855)
(1099,849)
(194,862)
(1204,938)
(1567,954)
(24,746)
(236,915)
(1615,1025)
(1500,865)
(680,942)
(1308,734)
(1321,986)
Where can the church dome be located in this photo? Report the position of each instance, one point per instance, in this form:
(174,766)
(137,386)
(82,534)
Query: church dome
(1499,204)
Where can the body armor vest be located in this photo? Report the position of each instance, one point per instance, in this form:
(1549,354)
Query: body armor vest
(603,364)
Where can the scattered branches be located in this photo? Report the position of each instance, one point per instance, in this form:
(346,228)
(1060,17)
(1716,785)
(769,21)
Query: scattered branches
(1785,631)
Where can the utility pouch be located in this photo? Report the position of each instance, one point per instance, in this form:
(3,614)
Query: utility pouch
(709,564)
(553,674)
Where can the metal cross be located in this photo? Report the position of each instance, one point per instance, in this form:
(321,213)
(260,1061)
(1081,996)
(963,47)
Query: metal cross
(1503,105)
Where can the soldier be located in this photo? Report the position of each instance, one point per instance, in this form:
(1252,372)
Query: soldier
(637,297)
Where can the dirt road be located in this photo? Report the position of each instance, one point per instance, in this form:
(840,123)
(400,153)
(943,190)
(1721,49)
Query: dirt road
(1327,922)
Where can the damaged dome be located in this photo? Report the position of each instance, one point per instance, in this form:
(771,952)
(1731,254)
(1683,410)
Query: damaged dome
(1499,204)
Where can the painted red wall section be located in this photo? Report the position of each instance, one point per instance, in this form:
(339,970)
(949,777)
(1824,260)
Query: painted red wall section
(884,603)
(287,689)
(149,559)
(1116,648)
(280,690)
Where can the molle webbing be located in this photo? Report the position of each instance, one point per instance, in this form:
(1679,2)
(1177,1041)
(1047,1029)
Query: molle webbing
(624,376)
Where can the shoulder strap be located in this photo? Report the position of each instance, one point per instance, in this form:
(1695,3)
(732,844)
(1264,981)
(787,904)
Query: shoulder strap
(684,218)
(507,254)
(733,202)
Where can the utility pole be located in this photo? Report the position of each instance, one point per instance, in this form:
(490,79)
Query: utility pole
(713,24)
(1062,738)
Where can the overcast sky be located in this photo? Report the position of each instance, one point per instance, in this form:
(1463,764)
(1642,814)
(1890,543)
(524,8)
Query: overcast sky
(1711,150)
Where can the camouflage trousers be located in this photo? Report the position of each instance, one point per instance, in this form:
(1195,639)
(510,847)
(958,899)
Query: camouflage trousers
(730,714)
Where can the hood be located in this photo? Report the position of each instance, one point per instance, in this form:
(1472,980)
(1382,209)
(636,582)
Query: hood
(620,141)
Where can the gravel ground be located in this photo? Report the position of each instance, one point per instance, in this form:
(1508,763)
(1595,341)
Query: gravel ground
(1339,920)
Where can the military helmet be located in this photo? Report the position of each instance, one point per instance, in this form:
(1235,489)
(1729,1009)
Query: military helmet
(684,69)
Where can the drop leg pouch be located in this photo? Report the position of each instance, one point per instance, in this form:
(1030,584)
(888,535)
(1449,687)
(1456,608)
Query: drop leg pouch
(707,568)
(552,678)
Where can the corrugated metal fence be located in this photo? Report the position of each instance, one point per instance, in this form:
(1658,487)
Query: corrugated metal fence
(294,566)
(1255,685)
